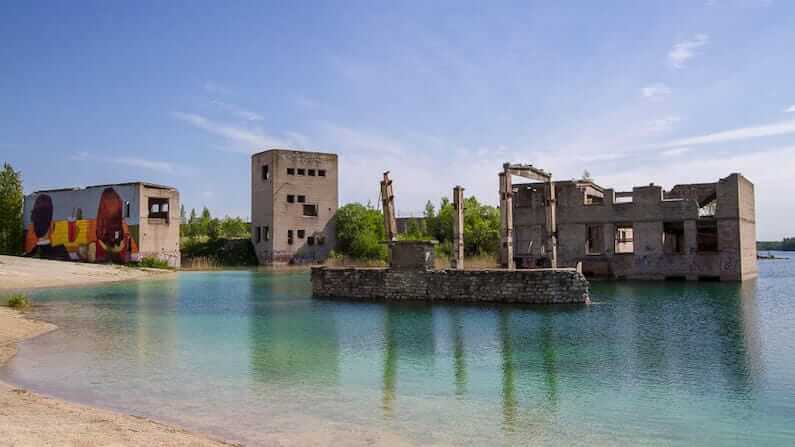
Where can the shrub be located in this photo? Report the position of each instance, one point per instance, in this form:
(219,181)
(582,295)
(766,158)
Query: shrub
(18,301)
(219,252)
(360,232)
(153,263)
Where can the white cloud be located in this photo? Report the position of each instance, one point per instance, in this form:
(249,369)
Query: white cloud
(239,111)
(675,151)
(214,88)
(790,109)
(744,133)
(80,156)
(152,165)
(662,125)
(252,140)
(683,51)
(656,92)
(163,167)
(360,140)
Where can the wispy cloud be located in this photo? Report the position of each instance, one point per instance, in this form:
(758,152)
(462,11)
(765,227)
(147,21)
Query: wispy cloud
(79,156)
(656,92)
(360,140)
(662,125)
(163,167)
(239,111)
(744,133)
(251,139)
(790,109)
(152,165)
(683,51)
(214,88)
(675,151)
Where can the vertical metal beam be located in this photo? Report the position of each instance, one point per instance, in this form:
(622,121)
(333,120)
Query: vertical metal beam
(506,217)
(388,202)
(458,228)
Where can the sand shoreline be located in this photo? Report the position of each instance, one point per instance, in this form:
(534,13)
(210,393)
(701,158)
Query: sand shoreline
(22,274)
(32,419)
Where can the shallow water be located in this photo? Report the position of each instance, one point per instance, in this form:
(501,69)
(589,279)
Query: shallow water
(242,354)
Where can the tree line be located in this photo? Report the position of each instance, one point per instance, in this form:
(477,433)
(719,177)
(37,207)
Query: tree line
(11,204)
(361,234)
(786,244)
(197,227)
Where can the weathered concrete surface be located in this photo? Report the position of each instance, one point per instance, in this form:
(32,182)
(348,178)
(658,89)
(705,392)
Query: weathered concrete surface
(541,286)
(286,186)
(694,231)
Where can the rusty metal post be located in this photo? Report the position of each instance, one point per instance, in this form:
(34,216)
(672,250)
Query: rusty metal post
(457,262)
(506,218)
(388,202)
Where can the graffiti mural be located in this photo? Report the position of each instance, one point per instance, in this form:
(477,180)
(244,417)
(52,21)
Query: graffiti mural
(62,231)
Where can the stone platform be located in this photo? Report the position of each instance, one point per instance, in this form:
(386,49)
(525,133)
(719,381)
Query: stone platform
(537,286)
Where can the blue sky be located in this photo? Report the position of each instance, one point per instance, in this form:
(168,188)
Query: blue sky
(181,93)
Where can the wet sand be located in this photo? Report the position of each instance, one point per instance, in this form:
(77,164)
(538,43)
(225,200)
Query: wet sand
(30,419)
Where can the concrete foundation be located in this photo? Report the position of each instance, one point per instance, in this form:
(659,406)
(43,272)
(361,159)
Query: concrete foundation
(543,286)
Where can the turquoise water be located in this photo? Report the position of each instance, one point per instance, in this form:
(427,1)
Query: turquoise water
(246,355)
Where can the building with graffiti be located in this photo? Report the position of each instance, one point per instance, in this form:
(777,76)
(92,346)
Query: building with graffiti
(106,223)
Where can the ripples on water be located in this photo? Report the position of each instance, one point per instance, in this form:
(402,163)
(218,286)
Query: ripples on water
(243,354)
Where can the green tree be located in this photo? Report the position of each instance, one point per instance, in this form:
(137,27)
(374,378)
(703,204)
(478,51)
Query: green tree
(191,226)
(213,229)
(235,228)
(11,204)
(360,232)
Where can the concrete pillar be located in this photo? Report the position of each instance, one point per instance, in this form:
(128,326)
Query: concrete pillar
(552,228)
(691,247)
(458,228)
(388,202)
(506,218)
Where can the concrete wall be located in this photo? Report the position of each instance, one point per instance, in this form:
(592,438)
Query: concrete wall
(313,237)
(562,286)
(159,237)
(106,223)
(412,255)
(647,209)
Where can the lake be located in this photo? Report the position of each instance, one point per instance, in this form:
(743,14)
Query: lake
(244,354)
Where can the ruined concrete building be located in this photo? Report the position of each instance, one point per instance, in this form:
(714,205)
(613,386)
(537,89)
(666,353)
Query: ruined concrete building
(294,197)
(120,223)
(694,231)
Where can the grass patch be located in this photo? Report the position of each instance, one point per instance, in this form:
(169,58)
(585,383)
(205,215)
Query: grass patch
(18,301)
(153,263)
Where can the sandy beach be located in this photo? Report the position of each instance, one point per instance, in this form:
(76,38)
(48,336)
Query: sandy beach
(18,273)
(30,419)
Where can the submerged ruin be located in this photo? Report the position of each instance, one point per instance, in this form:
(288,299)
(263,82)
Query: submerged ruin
(411,274)
(702,231)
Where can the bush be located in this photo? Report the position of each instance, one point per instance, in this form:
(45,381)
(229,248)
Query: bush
(220,252)
(18,301)
(153,263)
(360,232)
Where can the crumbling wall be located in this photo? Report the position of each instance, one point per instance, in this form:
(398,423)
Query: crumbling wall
(561,286)
(729,223)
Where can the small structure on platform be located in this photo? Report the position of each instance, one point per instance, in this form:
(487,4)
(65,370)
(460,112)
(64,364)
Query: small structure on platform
(411,274)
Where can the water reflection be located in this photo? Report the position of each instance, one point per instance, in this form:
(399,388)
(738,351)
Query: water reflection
(646,360)
(293,339)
